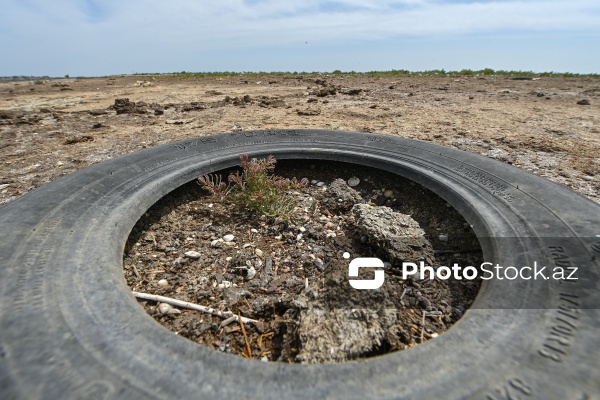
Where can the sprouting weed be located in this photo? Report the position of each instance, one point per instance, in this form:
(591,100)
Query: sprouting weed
(214,184)
(256,188)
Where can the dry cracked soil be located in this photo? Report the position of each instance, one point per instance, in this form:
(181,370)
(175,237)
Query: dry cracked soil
(51,128)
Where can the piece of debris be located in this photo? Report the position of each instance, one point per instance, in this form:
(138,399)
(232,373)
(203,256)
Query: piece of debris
(341,197)
(178,121)
(351,92)
(309,111)
(78,139)
(397,235)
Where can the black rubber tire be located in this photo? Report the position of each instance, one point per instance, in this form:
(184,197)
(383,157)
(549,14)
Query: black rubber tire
(70,327)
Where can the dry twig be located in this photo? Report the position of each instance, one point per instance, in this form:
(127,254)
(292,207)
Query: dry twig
(228,321)
(191,306)
(423,325)
(248,351)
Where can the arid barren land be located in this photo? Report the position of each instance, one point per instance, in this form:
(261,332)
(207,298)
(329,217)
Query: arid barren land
(547,125)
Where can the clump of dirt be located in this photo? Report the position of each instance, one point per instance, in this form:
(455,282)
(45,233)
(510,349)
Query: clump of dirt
(341,196)
(124,106)
(395,235)
(292,278)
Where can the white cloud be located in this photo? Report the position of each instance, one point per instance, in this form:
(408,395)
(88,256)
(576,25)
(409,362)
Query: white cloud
(235,22)
(90,28)
(248,20)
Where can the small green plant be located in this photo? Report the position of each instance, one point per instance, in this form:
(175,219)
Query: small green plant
(256,188)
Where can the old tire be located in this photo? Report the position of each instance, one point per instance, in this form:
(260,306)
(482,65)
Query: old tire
(70,327)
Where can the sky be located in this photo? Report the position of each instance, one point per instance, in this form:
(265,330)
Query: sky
(107,37)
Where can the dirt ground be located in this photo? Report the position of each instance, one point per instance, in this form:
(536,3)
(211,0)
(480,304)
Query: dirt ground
(549,126)
(51,128)
(292,277)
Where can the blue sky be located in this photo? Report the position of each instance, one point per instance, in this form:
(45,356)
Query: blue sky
(104,37)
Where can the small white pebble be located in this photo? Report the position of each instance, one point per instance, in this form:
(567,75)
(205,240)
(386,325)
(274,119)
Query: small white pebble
(228,238)
(250,273)
(194,255)
(302,229)
(258,252)
(318,263)
(254,230)
(224,285)
(265,359)
(443,238)
(319,184)
(354,181)
(299,236)
(216,242)
(164,308)
(389,193)
(163,282)
(435,334)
